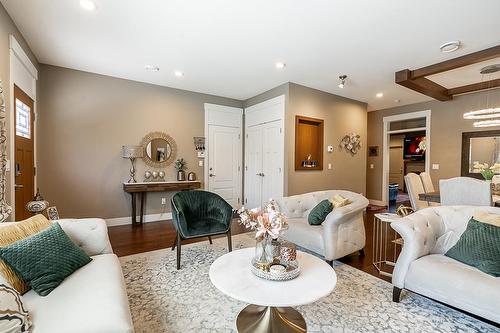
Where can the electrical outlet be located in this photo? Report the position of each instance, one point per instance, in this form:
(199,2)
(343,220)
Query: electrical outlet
(371,166)
(435,167)
(163,201)
(200,163)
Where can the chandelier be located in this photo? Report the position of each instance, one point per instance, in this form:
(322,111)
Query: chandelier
(489,116)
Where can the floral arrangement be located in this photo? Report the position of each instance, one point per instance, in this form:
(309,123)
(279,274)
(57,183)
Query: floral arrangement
(267,222)
(180,164)
(485,170)
(422,146)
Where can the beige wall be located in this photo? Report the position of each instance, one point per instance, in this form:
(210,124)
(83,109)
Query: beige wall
(7,27)
(447,125)
(341,116)
(86,118)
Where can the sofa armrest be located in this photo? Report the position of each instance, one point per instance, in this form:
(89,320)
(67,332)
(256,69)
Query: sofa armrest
(419,232)
(91,234)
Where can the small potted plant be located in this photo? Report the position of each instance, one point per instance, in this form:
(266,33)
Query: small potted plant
(180,166)
(485,170)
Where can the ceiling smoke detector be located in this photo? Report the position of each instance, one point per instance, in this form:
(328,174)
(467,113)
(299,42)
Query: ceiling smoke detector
(342,81)
(152,68)
(450,46)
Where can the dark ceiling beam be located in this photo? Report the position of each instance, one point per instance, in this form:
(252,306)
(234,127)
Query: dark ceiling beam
(465,60)
(474,87)
(422,85)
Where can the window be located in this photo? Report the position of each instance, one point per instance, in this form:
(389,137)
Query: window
(23,120)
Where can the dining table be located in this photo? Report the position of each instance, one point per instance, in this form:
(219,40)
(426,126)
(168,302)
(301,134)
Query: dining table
(435,197)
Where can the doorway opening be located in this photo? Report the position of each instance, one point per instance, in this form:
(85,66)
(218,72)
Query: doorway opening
(406,149)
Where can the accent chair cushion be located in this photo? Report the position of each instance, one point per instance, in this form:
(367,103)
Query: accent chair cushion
(319,212)
(14,318)
(479,246)
(339,201)
(13,233)
(45,259)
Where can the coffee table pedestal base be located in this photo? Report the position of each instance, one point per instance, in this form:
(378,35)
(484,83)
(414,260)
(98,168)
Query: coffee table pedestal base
(267,319)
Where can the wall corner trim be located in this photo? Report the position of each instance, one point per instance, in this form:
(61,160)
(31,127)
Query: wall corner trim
(116,221)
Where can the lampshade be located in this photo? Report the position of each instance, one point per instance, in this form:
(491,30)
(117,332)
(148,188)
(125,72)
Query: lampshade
(132,152)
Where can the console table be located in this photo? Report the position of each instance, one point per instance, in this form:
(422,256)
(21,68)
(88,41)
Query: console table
(143,188)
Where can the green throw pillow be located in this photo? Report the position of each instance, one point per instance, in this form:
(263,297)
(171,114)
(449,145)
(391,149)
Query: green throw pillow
(479,246)
(319,212)
(45,259)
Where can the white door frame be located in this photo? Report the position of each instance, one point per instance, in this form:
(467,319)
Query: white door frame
(23,74)
(385,147)
(228,116)
(265,112)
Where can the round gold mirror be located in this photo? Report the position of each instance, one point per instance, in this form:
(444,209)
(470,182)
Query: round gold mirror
(159,149)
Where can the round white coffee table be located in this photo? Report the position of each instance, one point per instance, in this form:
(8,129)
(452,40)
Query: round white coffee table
(271,302)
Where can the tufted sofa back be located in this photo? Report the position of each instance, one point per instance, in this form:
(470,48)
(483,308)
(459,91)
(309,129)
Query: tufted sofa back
(440,227)
(299,206)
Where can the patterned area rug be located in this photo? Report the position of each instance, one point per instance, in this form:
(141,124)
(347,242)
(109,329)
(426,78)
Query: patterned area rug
(164,300)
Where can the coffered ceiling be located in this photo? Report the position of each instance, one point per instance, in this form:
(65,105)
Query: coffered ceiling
(230,48)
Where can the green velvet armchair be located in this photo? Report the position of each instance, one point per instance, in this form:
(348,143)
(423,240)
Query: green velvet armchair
(200,214)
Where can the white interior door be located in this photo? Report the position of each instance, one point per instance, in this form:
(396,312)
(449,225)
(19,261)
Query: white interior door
(272,161)
(224,163)
(253,167)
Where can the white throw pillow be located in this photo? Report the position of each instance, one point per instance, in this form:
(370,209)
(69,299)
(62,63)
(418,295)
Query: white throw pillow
(14,318)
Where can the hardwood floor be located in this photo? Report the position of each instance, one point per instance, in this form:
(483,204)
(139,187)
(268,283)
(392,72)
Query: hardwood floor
(127,240)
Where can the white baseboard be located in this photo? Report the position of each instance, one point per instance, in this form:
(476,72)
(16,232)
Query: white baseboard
(147,218)
(377,202)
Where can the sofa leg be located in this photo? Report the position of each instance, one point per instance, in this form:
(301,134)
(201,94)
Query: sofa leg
(210,240)
(362,252)
(229,242)
(178,251)
(396,293)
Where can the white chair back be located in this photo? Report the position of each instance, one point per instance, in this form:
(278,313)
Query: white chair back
(465,191)
(427,182)
(414,187)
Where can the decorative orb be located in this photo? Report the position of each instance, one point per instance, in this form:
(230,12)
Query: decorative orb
(155,174)
(147,175)
(161,174)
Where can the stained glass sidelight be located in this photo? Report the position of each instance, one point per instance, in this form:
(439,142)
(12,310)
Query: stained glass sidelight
(23,120)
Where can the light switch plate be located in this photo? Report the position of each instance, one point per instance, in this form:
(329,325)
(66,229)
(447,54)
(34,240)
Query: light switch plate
(329,166)
(330,149)
(435,167)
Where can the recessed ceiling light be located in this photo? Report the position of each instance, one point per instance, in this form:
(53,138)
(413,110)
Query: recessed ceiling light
(178,73)
(280,65)
(450,46)
(152,68)
(88,5)
(379,95)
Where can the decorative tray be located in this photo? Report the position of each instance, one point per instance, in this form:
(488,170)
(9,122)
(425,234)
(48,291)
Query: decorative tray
(288,272)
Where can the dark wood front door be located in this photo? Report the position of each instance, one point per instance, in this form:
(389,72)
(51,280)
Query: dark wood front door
(24,167)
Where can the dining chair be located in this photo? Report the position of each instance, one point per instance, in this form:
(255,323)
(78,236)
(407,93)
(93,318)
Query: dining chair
(465,191)
(200,214)
(414,186)
(427,182)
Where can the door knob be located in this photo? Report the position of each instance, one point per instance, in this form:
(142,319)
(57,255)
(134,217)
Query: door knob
(211,175)
(18,186)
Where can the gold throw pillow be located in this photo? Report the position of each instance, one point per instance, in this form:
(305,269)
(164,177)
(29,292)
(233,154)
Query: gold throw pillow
(339,201)
(11,234)
(485,217)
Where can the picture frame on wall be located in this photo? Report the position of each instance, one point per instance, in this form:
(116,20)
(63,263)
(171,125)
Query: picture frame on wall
(52,213)
(373,151)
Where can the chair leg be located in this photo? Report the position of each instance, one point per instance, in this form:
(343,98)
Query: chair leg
(210,239)
(396,293)
(178,251)
(362,252)
(229,242)
(174,243)
(329,262)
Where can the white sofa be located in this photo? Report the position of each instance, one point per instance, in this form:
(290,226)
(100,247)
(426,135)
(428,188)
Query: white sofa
(423,268)
(91,300)
(342,232)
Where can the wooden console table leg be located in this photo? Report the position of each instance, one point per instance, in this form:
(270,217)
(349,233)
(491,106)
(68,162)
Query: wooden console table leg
(143,198)
(134,214)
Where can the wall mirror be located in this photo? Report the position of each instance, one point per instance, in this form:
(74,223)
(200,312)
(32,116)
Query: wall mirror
(481,147)
(160,149)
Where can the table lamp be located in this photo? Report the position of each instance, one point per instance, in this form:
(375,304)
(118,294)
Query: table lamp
(132,152)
